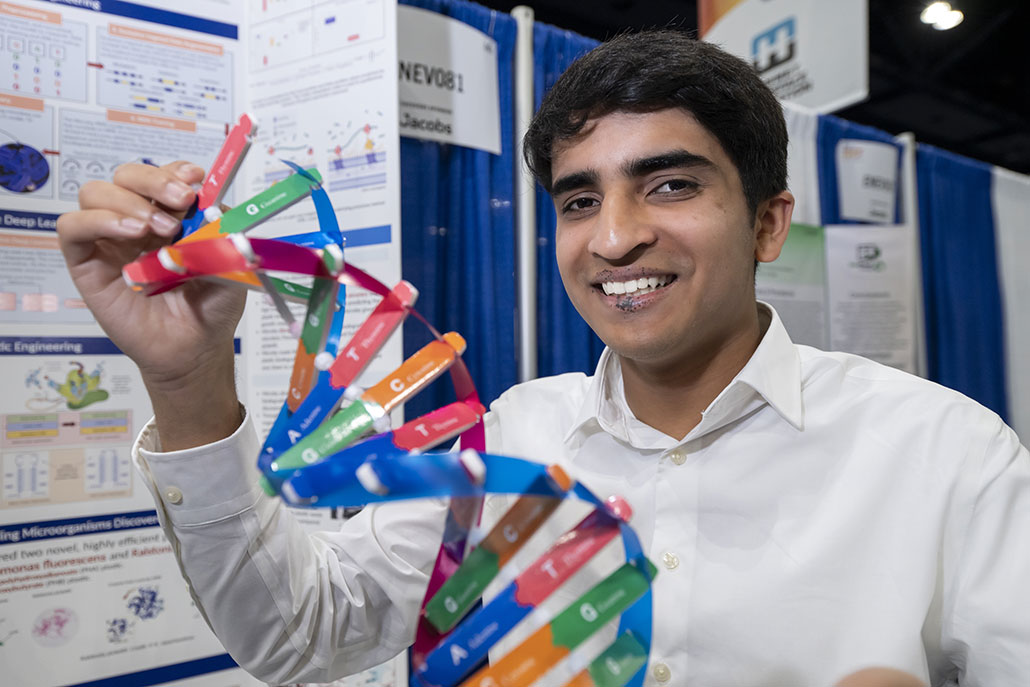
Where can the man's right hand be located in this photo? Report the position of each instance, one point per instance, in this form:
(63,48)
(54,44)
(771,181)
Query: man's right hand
(182,339)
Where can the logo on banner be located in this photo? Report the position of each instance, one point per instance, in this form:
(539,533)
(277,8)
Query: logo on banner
(867,257)
(775,46)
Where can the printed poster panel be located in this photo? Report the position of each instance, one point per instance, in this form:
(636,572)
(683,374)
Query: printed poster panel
(795,284)
(89,589)
(323,85)
(809,52)
(88,584)
(871,290)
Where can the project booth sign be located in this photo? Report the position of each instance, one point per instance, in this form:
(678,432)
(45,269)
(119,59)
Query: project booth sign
(812,53)
(447,74)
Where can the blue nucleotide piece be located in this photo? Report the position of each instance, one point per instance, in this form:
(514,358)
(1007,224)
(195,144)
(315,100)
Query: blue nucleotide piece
(327,223)
(475,635)
(328,486)
(193,220)
(314,239)
(322,400)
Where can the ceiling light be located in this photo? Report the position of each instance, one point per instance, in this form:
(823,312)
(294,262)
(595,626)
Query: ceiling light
(941,16)
(949,20)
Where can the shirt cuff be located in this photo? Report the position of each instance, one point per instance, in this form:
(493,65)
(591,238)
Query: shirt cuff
(205,484)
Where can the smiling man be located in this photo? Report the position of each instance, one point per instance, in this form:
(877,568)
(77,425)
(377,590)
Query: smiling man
(656,244)
(818,518)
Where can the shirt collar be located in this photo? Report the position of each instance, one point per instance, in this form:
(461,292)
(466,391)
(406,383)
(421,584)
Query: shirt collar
(772,375)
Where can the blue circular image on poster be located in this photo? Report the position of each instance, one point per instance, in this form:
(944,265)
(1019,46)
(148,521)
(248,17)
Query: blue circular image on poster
(22,168)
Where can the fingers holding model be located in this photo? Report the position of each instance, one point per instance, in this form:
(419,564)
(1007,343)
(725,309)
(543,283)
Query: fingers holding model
(181,340)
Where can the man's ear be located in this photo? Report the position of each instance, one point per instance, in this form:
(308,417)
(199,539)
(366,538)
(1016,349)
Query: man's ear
(772,223)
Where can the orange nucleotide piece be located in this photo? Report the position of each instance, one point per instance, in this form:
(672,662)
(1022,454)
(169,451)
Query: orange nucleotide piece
(246,278)
(524,665)
(415,372)
(218,256)
(523,519)
(211,230)
(303,376)
(582,680)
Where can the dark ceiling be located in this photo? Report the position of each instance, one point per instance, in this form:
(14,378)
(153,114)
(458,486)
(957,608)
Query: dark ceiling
(966,90)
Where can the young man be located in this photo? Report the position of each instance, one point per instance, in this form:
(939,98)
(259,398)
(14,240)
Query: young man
(811,514)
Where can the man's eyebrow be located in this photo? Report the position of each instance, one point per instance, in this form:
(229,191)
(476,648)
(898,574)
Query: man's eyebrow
(569,182)
(669,160)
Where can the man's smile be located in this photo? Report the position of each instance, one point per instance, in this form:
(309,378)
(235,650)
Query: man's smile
(626,288)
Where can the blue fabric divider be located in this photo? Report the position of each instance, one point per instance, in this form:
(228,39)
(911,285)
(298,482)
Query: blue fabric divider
(831,131)
(964,325)
(458,231)
(564,341)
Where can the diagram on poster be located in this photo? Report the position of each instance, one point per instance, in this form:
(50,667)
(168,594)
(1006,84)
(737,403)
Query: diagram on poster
(357,159)
(352,150)
(26,139)
(283,32)
(165,74)
(66,425)
(44,55)
(93,144)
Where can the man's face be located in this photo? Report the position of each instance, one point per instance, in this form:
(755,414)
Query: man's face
(655,241)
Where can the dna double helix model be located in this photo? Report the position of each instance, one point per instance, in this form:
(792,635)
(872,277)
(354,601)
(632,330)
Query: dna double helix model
(332,445)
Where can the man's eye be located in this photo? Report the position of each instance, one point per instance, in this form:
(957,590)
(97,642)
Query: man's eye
(676,185)
(579,204)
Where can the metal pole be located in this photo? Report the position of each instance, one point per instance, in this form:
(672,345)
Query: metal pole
(525,189)
(910,220)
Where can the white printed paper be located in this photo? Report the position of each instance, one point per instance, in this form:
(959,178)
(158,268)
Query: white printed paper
(867,180)
(872,310)
(448,81)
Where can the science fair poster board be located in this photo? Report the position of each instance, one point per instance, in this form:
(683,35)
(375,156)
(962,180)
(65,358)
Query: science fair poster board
(89,590)
(847,288)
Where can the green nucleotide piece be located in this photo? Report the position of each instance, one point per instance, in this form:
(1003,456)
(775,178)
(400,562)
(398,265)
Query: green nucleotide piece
(335,434)
(603,602)
(291,289)
(458,594)
(618,663)
(268,203)
(319,315)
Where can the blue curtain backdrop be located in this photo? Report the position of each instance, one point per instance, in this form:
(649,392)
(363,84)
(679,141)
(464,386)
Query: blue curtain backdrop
(831,131)
(964,326)
(564,341)
(458,232)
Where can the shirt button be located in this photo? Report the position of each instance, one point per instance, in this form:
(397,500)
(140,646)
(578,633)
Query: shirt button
(661,672)
(671,560)
(679,456)
(173,495)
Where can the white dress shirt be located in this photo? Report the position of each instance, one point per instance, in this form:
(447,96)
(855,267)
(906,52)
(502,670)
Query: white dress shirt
(826,514)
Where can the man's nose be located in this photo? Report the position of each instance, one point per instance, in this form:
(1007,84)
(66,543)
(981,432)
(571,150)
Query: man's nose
(622,230)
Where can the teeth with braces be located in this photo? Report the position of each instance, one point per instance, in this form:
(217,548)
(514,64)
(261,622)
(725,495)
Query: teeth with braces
(638,286)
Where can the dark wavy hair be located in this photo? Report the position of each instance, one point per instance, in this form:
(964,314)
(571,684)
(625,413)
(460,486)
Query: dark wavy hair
(655,70)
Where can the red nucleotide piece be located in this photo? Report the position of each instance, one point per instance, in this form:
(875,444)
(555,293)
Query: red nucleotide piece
(372,334)
(437,426)
(227,163)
